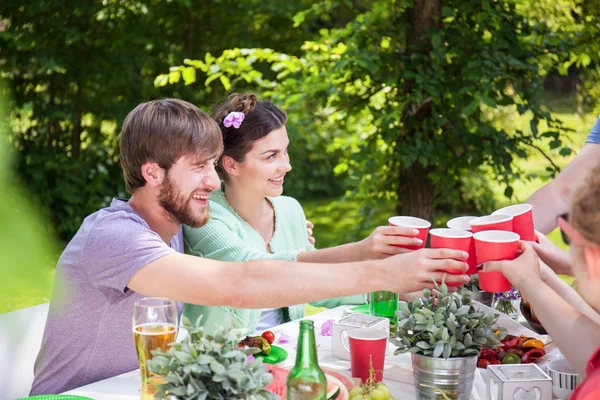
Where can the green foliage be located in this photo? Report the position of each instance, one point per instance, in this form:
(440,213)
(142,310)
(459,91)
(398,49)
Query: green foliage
(388,103)
(26,249)
(444,325)
(364,100)
(210,367)
(79,68)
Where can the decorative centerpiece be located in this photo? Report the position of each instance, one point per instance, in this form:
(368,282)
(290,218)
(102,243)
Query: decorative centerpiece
(210,367)
(444,333)
(505,303)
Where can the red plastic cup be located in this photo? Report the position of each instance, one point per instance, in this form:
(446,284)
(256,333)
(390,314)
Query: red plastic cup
(443,238)
(522,220)
(498,222)
(366,346)
(462,223)
(419,224)
(495,246)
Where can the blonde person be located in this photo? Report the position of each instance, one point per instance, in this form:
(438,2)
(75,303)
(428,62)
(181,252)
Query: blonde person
(572,321)
(250,219)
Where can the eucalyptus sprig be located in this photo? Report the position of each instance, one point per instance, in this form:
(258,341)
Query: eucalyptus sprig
(206,366)
(444,324)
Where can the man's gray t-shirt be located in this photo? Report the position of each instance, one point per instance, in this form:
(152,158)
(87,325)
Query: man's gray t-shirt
(88,335)
(594,136)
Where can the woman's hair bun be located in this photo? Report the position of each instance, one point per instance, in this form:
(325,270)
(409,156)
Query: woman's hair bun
(242,102)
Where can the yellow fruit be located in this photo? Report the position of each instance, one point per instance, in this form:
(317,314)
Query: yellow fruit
(538,344)
(378,395)
(266,347)
(356,390)
(381,387)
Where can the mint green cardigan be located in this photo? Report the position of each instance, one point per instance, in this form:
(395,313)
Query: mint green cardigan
(227,237)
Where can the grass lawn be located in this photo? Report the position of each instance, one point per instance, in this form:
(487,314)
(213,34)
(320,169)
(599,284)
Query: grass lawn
(334,220)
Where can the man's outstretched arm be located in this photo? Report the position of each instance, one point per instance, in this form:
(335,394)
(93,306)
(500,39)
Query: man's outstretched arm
(272,283)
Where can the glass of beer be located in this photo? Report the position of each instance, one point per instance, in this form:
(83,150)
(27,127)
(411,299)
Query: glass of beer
(154,326)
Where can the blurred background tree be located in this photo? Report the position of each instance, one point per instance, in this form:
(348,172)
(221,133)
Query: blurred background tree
(26,248)
(413,96)
(413,106)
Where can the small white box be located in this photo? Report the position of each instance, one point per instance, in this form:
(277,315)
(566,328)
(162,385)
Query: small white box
(518,382)
(339,334)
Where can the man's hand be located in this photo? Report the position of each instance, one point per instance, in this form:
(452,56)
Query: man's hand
(523,270)
(380,243)
(416,270)
(309,228)
(555,257)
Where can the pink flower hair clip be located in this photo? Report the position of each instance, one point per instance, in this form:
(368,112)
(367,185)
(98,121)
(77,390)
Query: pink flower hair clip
(234,118)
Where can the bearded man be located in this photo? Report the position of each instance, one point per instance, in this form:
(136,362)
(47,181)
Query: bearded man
(133,248)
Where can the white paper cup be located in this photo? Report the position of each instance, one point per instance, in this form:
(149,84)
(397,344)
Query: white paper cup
(564,378)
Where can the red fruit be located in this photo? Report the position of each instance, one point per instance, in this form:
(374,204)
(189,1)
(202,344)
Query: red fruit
(277,386)
(495,361)
(510,344)
(333,385)
(488,354)
(483,363)
(269,336)
(278,372)
(532,355)
(345,379)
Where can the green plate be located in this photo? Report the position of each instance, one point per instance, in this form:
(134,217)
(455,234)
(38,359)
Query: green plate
(276,355)
(56,397)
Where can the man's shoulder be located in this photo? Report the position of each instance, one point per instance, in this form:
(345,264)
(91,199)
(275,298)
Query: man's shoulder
(117,216)
(116,222)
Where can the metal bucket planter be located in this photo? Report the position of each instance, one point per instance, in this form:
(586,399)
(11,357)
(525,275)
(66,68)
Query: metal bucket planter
(452,377)
(485,298)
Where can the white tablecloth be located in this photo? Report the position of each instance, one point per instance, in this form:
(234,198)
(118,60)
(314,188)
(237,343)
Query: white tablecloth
(397,370)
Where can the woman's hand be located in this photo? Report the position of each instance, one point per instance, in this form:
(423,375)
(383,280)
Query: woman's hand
(552,255)
(523,270)
(309,228)
(384,239)
(416,270)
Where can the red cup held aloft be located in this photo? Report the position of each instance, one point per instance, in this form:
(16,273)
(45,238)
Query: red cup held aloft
(411,222)
(367,346)
(443,238)
(496,222)
(495,246)
(522,220)
(462,223)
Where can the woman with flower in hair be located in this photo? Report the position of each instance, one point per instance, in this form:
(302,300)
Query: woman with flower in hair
(573,321)
(250,219)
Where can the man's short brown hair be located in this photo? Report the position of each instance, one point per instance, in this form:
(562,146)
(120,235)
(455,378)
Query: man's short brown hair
(162,131)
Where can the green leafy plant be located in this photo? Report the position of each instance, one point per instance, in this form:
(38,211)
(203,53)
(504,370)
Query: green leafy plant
(444,324)
(210,367)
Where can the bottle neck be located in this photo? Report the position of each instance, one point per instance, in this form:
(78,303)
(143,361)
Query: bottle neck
(307,349)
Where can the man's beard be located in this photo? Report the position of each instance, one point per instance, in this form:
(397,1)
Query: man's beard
(177,208)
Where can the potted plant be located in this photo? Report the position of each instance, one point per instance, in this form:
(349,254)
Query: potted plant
(444,333)
(503,302)
(210,367)
(485,298)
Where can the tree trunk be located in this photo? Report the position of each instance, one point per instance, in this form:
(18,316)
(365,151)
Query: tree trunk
(76,135)
(416,193)
(190,26)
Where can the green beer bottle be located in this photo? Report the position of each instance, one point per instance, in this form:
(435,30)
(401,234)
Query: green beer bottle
(384,304)
(306,381)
